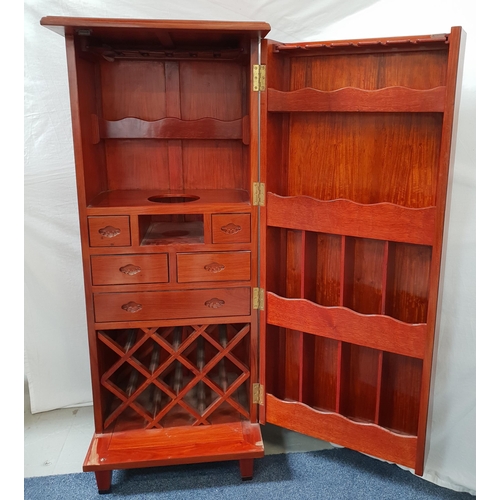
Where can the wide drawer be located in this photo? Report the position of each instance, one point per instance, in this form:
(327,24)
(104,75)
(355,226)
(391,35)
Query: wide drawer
(146,306)
(133,269)
(109,231)
(214,266)
(231,228)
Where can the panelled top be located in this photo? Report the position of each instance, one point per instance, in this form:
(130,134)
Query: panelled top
(167,33)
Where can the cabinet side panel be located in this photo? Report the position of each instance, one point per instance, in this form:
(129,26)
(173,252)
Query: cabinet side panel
(94,170)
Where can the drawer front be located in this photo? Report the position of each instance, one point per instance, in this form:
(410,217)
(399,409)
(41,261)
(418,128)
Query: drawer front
(148,306)
(218,266)
(109,231)
(125,269)
(231,228)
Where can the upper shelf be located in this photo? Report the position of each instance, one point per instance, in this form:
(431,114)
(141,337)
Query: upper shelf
(389,99)
(170,128)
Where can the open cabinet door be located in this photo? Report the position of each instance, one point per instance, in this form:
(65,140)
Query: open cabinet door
(356,138)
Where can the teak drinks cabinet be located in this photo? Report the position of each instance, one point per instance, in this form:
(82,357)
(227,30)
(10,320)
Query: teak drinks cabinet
(262,228)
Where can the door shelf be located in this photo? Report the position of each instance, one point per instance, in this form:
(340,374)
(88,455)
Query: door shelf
(364,437)
(344,324)
(384,221)
(369,276)
(352,99)
(359,383)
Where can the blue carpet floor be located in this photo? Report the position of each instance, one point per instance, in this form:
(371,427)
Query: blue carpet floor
(330,474)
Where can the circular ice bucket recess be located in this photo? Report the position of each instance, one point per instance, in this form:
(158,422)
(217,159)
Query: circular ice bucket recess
(173,198)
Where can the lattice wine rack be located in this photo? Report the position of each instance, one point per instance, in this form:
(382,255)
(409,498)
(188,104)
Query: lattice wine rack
(173,376)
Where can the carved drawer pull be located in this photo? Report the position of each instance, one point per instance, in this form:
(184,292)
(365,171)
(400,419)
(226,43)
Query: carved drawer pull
(214,303)
(231,228)
(132,307)
(215,267)
(130,269)
(109,232)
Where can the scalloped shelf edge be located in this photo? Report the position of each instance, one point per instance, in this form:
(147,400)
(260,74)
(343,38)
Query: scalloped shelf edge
(382,221)
(388,99)
(345,325)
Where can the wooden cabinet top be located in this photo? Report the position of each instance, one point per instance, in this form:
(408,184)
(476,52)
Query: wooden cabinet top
(132,28)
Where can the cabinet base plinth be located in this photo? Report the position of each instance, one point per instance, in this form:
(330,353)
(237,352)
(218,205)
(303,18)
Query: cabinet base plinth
(173,446)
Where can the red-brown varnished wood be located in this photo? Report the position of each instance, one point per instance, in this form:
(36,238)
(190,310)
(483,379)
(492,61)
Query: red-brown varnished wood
(173,109)
(223,266)
(358,385)
(352,140)
(379,44)
(329,270)
(390,99)
(146,306)
(129,269)
(364,276)
(320,372)
(136,201)
(89,181)
(364,437)
(231,228)
(138,29)
(400,393)
(177,247)
(103,480)
(174,128)
(341,323)
(178,445)
(408,282)
(454,76)
(419,70)
(109,231)
(364,157)
(379,221)
(246,468)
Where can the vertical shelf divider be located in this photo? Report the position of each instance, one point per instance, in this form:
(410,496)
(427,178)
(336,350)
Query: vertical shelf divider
(385,264)
(341,303)
(302,296)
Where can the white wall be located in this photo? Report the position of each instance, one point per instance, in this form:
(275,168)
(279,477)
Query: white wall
(55,333)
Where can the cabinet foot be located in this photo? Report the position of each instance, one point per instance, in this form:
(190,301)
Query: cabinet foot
(103,480)
(246,468)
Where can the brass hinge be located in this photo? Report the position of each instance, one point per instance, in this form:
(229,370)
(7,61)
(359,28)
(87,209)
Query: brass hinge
(259,194)
(258,394)
(258,299)
(259,77)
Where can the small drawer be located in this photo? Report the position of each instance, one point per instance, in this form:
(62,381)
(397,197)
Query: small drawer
(218,266)
(109,231)
(231,228)
(133,269)
(178,304)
